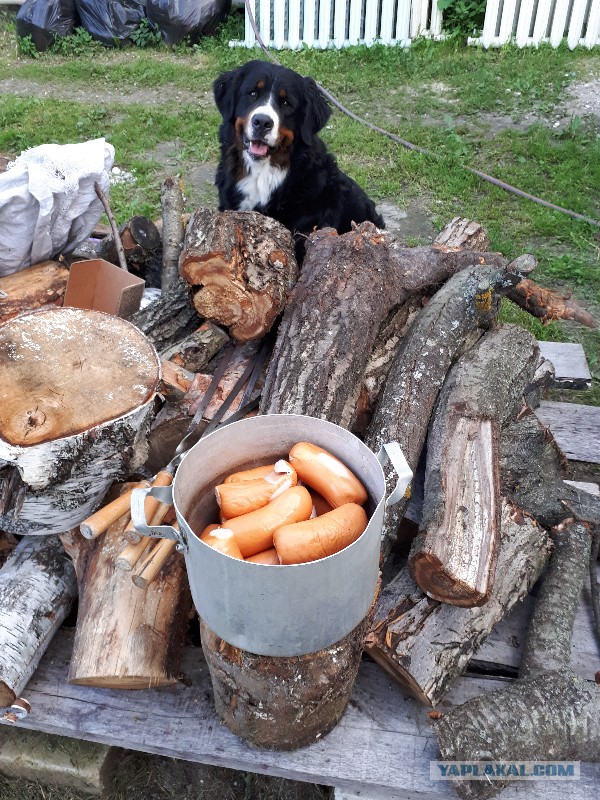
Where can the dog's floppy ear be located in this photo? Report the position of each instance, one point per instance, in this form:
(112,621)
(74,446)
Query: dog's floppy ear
(225,89)
(317,111)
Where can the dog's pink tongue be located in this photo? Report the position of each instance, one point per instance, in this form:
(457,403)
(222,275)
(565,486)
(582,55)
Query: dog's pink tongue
(258,148)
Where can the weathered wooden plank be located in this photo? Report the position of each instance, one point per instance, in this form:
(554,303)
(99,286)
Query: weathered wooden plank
(571,369)
(575,428)
(383,744)
(592,488)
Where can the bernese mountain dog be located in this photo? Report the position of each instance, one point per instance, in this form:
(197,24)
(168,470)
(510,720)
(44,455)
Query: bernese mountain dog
(272,161)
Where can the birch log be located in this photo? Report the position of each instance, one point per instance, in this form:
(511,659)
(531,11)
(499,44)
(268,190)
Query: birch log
(126,637)
(77,393)
(424,644)
(37,589)
(454,557)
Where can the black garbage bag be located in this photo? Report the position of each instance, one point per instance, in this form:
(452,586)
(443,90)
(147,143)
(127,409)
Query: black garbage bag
(110,21)
(178,19)
(44,19)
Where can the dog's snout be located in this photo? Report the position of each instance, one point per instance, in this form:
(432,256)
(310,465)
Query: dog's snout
(261,124)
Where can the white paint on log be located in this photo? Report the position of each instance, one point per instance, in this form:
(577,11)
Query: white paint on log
(383,744)
(37,588)
(592,488)
(570,364)
(575,428)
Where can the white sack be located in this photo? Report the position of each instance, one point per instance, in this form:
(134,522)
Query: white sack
(47,201)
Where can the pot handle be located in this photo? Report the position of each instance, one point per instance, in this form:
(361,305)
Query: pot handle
(391,453)
(138,515)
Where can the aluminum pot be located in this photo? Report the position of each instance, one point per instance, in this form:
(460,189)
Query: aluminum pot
(286,610)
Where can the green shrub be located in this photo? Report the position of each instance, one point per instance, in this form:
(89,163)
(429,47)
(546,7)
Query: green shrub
(463,17)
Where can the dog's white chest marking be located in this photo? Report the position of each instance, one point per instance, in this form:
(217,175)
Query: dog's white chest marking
(262,180)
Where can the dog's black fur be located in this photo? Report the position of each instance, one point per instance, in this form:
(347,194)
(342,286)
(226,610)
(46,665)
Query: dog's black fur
(273,162)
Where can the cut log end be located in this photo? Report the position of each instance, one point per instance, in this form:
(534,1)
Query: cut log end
(427,570)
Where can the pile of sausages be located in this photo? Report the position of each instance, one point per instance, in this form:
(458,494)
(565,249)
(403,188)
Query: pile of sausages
(268,517)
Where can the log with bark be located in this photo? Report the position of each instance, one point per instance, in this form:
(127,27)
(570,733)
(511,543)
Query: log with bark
(458,234)
(558,712)
(241,267)
(196,350)
(43,284)
(169,319)
(126,637)
(348,286)
(424,644)
(454,557)
(77,392)
(453,320)
(141,246)
(548,305)
(37,589)
(173,229)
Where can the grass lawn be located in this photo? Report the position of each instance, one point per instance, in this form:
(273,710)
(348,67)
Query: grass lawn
(495,110)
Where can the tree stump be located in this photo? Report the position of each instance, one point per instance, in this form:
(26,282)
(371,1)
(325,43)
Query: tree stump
(77,395)
(283,703)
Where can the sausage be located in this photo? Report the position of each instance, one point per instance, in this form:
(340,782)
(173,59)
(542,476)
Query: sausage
(266,557)
(250,474)
(320,505)
(321,536)
(254,531)
(326,474)
(242,497)
(223,540)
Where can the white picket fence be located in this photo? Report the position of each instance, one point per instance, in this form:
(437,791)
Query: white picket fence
(339,23)
(531,22)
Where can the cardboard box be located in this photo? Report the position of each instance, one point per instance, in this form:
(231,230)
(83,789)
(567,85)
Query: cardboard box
(101,286)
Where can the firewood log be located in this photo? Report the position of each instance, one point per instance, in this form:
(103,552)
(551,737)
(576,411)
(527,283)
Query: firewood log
(77,392)
(242,268)
(126,637)
(196,350)
(548,305)
(424,644)
(169,319)
(142,247)
(41,285)
(454,557)
(173,229)
(532,471)
(175,381)
(347,288)
(452,321)
(557,711)
(459,233)
(37,589)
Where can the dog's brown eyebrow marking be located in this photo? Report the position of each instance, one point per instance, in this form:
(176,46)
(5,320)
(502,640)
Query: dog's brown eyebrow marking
(260,85)
(282,93)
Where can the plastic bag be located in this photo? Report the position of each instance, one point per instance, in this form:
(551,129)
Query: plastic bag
(43,19)
(48,204)
(178,19)
(110,22)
